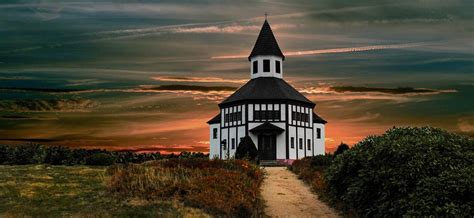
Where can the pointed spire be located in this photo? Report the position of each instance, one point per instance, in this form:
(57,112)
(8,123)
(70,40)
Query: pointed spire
(266,43)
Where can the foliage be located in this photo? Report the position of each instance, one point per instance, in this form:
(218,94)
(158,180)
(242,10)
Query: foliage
(26,154)
(406,171)
(69,191)
(246,149)
(311,170)
(60,155)
(57,156)
(100,159)
(229,188)
(3,154)
(341,148)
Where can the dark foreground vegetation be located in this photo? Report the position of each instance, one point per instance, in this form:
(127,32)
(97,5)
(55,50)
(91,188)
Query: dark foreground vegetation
(163,188)
(70,191)
(59,155)
(229,188)
(405,171)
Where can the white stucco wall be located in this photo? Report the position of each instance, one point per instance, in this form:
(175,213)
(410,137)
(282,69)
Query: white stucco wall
(292,133)
(272,72)
(309,136)
(224,136)
(214,143)
(319,144)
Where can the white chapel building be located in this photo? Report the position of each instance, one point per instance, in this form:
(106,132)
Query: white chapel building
(280,121)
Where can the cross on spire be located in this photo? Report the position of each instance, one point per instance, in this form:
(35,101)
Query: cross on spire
(266,14)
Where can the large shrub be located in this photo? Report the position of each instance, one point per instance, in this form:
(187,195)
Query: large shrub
(406,171)
(246,149)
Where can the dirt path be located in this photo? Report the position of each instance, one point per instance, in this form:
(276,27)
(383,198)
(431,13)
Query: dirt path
(286,195)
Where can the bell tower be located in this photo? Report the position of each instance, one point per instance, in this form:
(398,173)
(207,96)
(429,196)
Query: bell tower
(266,58)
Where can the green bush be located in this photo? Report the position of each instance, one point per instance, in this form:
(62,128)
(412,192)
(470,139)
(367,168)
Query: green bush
(246,149)
(4,154)
(26,154)
(57,155)
(406,171)
(341,149)
(100,159)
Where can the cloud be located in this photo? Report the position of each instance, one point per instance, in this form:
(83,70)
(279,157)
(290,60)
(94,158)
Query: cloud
(198,79)
(365,117)
(190,88)
(395,91)
(389,12)
(466,124)
(45,90)
(334,50)
(23,117)
(363,89)
(16,78)
(52,105)
(232,28)
(82,82)
(349,93)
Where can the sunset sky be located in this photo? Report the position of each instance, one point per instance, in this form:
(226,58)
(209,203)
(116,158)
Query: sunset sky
(85,73)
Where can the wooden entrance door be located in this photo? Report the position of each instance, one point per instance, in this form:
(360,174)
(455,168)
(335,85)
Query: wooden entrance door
(267,147)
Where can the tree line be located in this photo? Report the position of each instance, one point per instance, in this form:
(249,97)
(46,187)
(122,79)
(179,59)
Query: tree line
(60,155)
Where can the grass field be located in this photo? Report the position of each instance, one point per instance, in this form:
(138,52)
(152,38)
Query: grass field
(41,190)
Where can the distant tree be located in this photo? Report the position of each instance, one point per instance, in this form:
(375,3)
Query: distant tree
(246,149)
(341,148)
(4,154)
(26,154)
(100,159)
(57,155)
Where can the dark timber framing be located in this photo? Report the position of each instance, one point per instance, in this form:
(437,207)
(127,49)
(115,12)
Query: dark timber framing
(267,92)
(287,131)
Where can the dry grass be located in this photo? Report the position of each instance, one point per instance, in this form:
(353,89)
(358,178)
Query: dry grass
(77,191)
(230,188)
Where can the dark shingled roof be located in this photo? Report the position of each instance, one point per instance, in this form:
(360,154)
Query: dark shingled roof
(216,119)
(266,88)
(318,119)
(267,128)
(266,43)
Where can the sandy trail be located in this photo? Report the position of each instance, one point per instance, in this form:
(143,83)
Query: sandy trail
(286,195)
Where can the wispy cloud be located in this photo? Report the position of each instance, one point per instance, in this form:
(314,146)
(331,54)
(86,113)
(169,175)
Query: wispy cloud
(52,105)
(232,28)
(397,95)
(334,50)
(198,79)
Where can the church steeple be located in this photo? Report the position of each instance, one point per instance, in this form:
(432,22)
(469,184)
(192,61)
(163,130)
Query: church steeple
(266,43)
(266,57)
